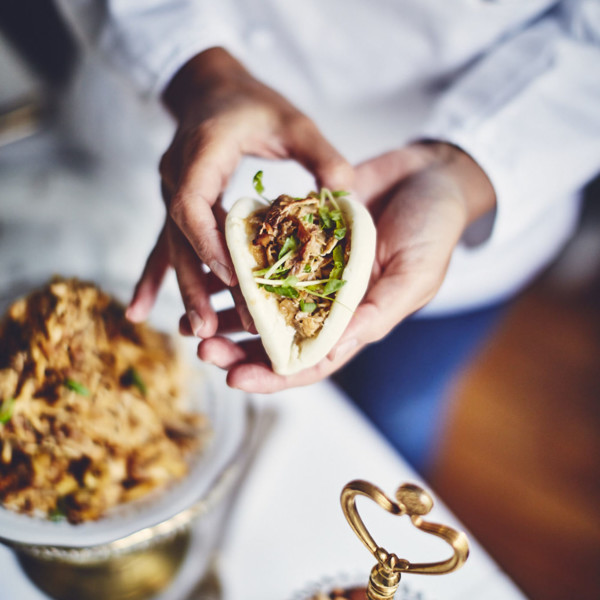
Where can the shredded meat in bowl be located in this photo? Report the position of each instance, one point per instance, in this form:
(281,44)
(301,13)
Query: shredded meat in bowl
(92,411)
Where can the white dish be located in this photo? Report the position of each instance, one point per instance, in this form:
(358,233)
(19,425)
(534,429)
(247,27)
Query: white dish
(131,526)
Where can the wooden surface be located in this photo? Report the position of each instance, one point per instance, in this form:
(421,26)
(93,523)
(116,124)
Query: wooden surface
(520,460)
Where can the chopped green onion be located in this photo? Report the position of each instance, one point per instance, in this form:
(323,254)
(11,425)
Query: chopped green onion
(336,273)
(59,512)
(326,220)
(338,261)
(307,307)
(6,410)
(76,387)
(132,377)
(307,268)
(326,193)
(257,183)
(340,226)
(338,256)
(291,243)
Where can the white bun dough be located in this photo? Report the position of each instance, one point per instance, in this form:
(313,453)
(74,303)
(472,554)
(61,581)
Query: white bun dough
(287,356)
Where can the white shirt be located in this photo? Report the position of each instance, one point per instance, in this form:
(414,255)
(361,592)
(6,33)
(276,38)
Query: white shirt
(515,83)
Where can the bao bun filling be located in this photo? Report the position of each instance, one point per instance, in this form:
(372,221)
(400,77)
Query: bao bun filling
(301,246)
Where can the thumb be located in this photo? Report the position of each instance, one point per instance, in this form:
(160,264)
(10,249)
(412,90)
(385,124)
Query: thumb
(393,297)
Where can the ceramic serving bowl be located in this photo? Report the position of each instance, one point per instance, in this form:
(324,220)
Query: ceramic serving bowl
(137,548)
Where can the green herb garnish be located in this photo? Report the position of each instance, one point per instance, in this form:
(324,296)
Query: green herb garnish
(340,226)
(76,387)
(325,216)
(338,256)
(309,218)
(258,183)
(132,377)
(264,271)
(281,290)
(290,245)
(307,307)
(275,267)
(333,285)
(338,263)
(339,193)
(307,268)
(6,410)
(59,512)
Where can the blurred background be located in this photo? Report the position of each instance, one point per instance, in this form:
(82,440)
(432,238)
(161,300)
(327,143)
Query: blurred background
(519,461)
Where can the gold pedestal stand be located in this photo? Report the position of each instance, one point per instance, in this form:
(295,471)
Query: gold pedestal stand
(413,501)
(136,576)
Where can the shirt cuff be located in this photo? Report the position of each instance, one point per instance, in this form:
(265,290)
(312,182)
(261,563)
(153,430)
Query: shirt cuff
(151,50)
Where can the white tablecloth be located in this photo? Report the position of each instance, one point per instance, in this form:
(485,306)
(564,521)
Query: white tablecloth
(287,529)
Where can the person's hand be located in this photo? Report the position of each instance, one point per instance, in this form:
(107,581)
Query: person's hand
(223,113)
(422,198)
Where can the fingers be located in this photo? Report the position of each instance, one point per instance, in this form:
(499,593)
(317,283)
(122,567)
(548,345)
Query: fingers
(150,281)
(308,146)
(193,191)
(193,287)
(249,368)
(229,322)
(196,221)
(258,377)
(242,310)
(379,175)
(224,353)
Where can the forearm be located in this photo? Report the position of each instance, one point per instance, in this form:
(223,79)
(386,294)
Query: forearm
(528,114)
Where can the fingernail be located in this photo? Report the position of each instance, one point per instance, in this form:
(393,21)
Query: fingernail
(223,272)
(343,349)
(196,322)
(133,314)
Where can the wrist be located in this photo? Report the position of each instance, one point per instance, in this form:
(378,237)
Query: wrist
(473,182)
(212,69)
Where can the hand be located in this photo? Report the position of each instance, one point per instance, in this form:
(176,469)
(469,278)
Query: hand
(223,113)
(422,197)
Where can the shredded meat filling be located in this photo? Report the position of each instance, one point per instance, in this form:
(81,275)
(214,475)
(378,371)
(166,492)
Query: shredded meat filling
(302,229)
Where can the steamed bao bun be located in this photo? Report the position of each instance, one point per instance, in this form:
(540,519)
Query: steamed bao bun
(278,338)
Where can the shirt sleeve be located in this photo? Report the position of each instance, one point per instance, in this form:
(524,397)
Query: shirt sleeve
(529,113)
(150,40)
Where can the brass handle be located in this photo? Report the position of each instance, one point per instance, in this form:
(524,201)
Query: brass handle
(415,502)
